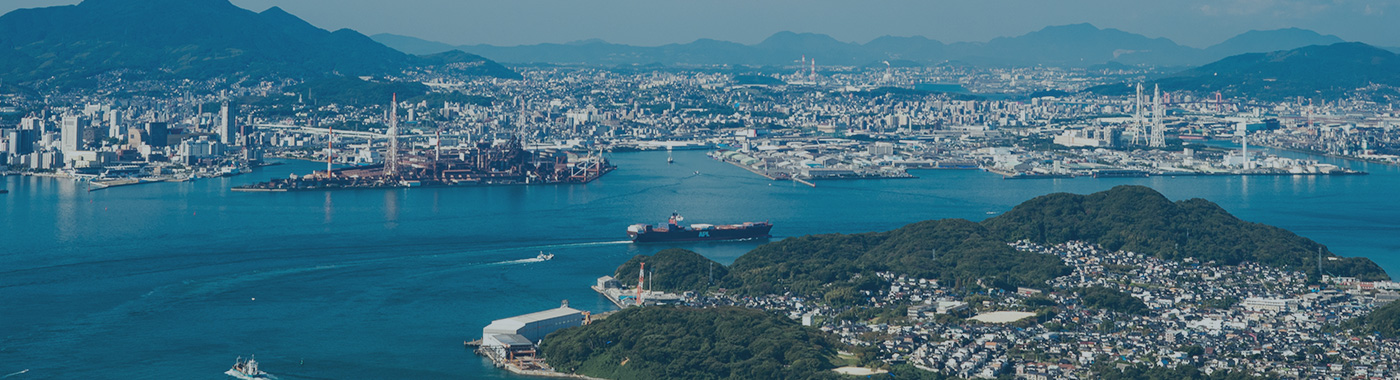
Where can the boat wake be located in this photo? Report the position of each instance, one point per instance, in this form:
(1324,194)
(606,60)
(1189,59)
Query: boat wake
(240,375)
(588,244)
(15,374)
(541,258)
(521,261)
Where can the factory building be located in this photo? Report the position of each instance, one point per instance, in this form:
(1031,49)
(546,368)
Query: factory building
(513,340)
(534,326)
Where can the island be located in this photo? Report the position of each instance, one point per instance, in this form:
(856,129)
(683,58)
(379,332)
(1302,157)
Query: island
(1119,284)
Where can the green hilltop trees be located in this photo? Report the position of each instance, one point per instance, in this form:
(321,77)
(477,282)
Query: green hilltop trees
(686,343)
(1099,297)
(1139,219)
(736,343)
(968,255)
(956,252)
(1383,321)
(677,270)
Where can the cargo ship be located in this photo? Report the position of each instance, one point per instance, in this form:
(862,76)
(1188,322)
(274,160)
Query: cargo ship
(673,231)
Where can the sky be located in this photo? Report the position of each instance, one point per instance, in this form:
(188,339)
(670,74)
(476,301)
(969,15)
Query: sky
(1197,23)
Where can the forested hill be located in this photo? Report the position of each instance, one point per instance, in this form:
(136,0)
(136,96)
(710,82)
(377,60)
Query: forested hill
(957,252)
(674,270)
(1139,219)
(686,343)
(1383,321)
(193,39)
(1329,71)
(967,255)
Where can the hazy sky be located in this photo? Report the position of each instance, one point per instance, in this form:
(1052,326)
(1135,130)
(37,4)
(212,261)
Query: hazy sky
(654,22)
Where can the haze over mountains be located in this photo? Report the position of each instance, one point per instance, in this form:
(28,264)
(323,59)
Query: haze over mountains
(199,39)
(1323,71)
(193,39)
(1077,45)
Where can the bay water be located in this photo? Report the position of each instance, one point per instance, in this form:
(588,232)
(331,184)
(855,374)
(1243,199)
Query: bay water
(175,280)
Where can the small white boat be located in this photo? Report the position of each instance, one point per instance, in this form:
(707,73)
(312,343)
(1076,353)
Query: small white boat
(545,256)
(247,370)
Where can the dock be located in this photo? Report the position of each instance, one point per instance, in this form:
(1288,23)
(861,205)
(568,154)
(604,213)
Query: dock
(627,297)
(766,175)
(501,164)
(95,185)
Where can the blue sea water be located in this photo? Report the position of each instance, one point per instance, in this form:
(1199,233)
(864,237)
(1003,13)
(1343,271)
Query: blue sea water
(174,280)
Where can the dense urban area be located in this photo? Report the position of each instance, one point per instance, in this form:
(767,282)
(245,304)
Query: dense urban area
(836,122)
(1123,283)
(1041,306)
(1263,303)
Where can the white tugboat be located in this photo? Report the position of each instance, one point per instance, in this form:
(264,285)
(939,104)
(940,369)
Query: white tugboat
(247,370)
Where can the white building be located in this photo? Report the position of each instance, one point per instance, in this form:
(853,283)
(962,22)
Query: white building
(196,149)
(72,130)
(34,124)
(227,125)
(1270,304)
(881,149)
(116,124)
(1084,138)
(531,328)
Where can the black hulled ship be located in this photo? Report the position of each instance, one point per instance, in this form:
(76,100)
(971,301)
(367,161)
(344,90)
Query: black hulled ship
(673,231)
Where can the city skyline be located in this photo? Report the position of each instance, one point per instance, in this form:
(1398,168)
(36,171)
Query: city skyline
(1193,23)
(186,182)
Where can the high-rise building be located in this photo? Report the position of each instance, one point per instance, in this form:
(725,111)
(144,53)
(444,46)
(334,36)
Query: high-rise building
(72,130)
(33,124)
(227,124)
(20,141)
(115,124)
(157,134)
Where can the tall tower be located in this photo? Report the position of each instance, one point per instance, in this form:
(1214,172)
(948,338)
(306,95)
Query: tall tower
(71,133)
(330,149)
(1159,136)
(1139,133)
(641,280)
(1243,130)
(226,125)
(391,162)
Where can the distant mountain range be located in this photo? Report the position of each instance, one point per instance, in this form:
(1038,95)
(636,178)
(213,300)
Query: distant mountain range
(1078,45)
(1328,71)
(196,39)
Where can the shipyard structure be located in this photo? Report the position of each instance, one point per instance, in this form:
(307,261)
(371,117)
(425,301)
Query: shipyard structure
(503,162)
(513,343)
(499,163)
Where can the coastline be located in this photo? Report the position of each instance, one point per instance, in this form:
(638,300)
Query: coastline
(1337,156)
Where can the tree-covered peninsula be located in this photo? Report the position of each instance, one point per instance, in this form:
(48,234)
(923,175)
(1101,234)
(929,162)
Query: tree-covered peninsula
(1139,219)
(688,343)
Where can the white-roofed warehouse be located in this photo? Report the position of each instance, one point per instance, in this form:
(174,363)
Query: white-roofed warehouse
(533,327)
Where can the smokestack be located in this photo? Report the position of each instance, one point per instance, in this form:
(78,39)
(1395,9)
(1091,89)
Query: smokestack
(641,279)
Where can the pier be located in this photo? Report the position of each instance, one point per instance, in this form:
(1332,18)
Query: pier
(100,184)
(624,298)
